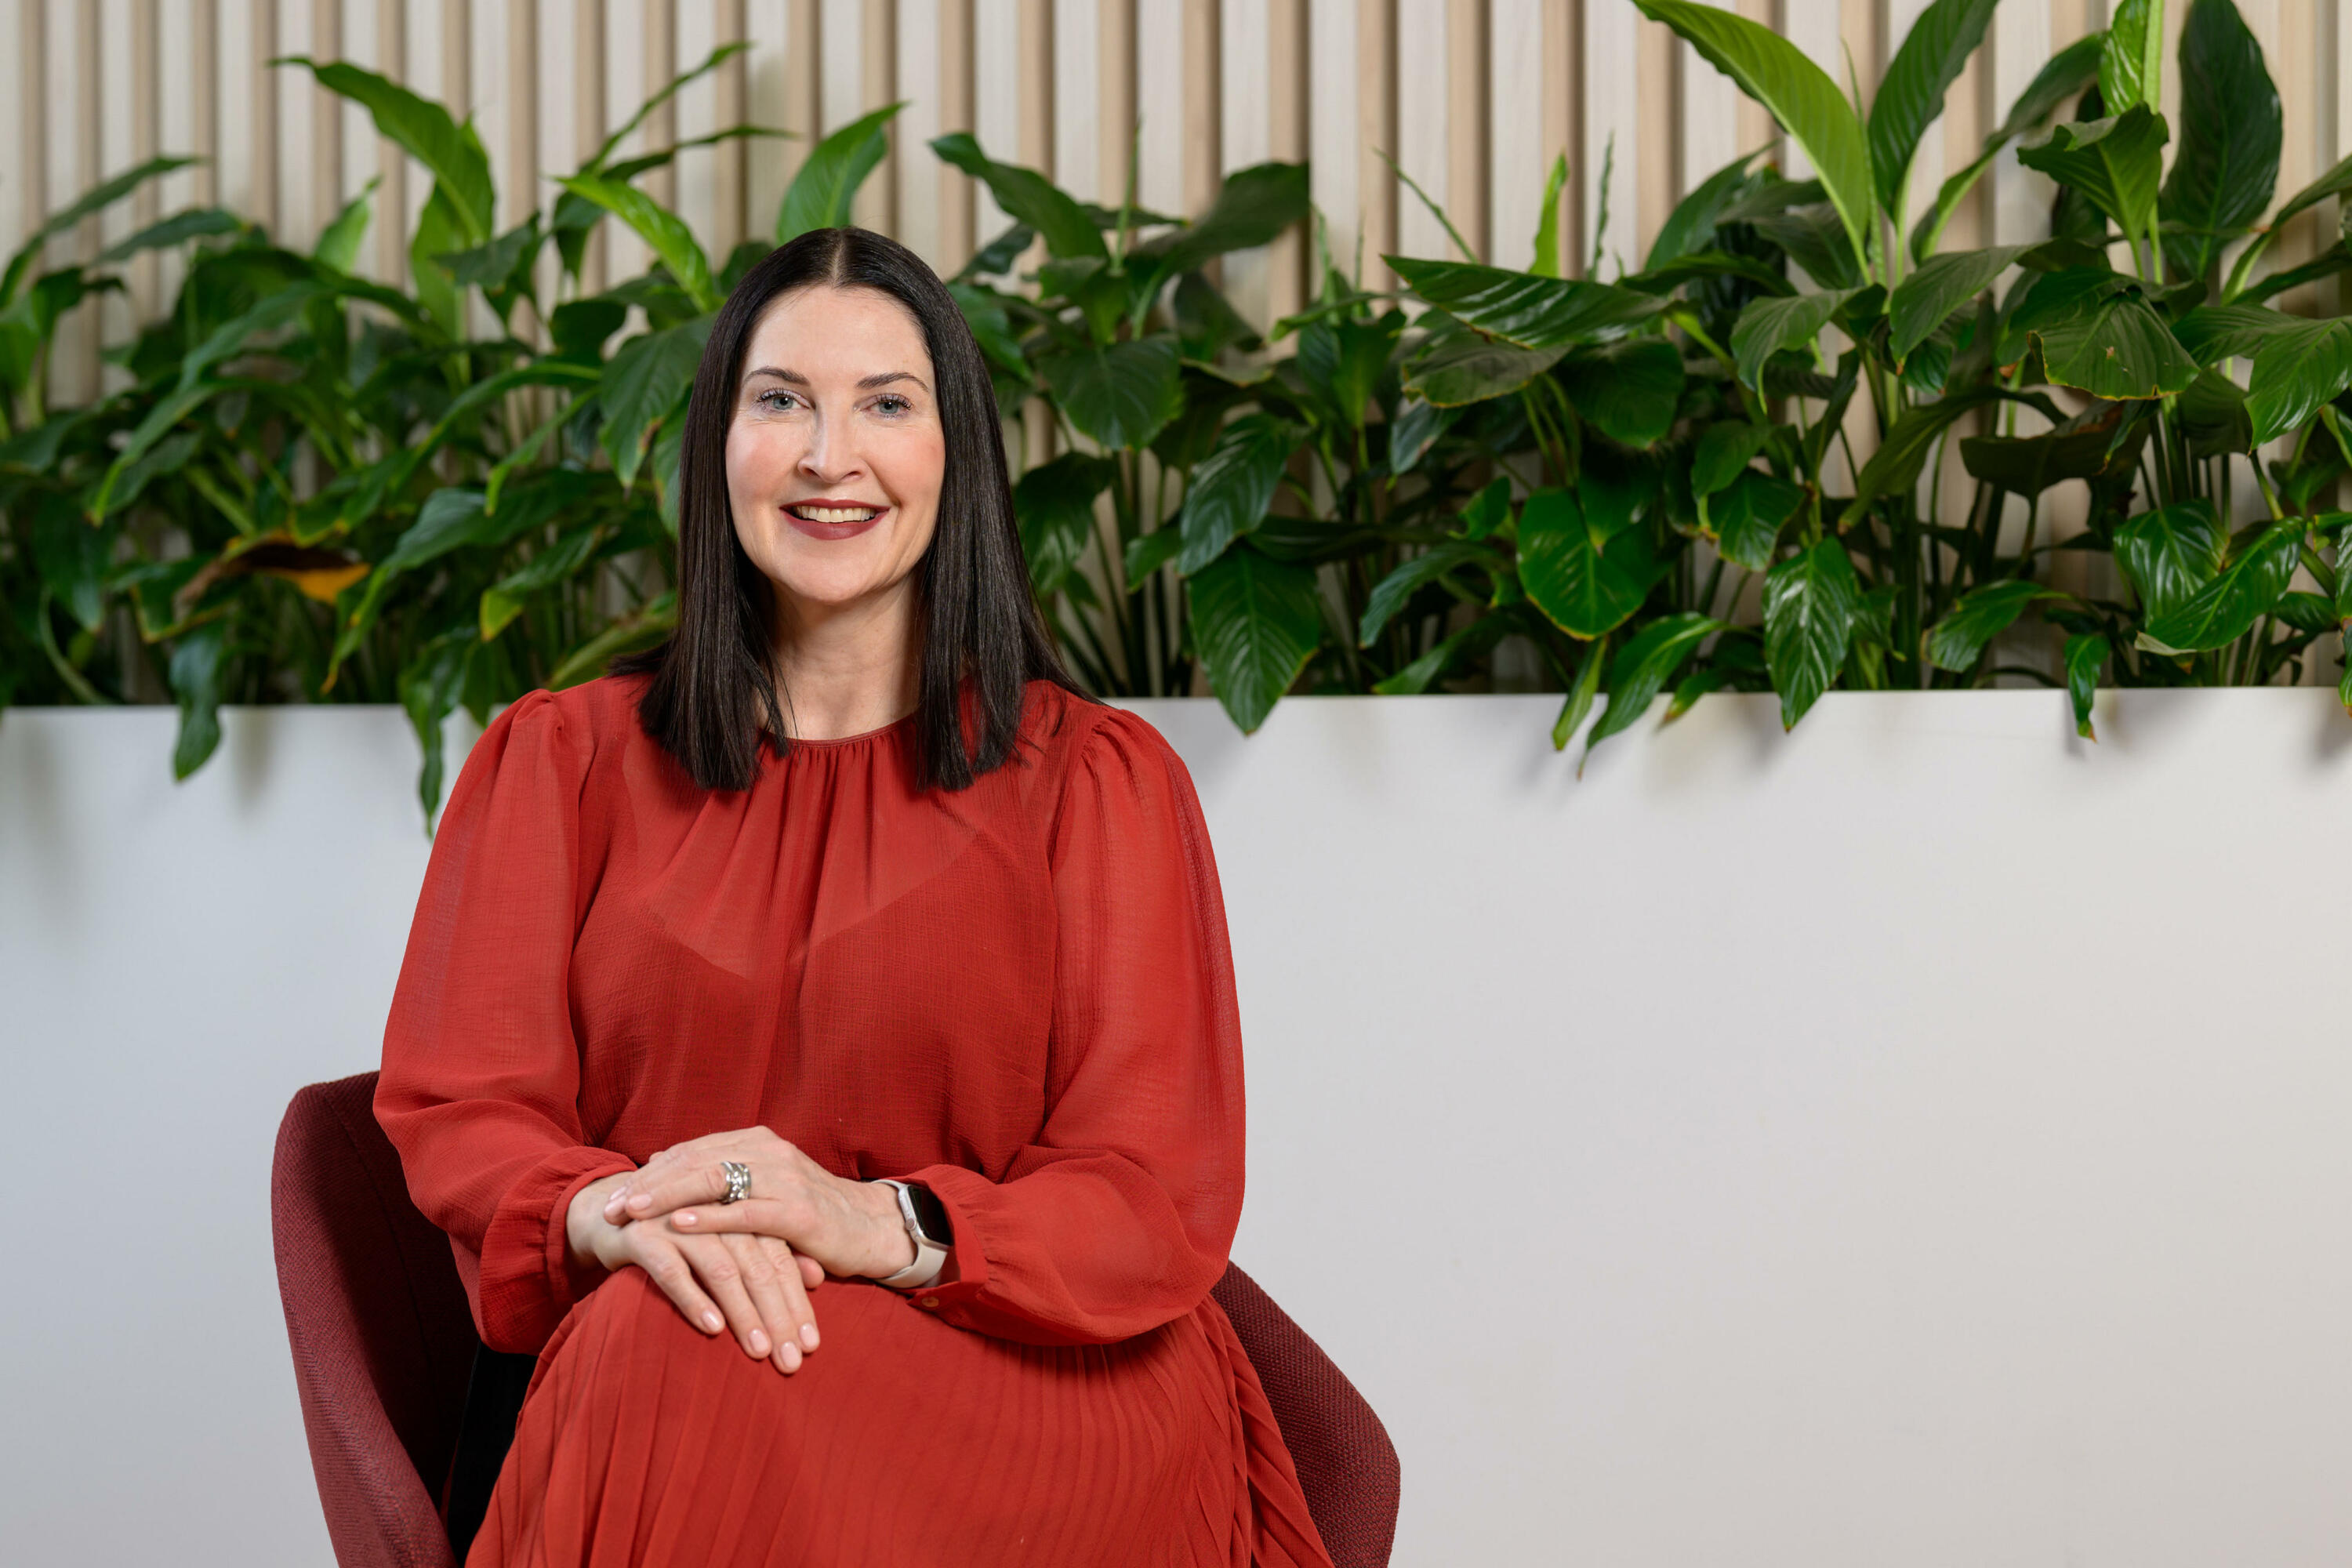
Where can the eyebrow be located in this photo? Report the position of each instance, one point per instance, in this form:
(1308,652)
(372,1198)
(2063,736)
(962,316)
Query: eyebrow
(865,383)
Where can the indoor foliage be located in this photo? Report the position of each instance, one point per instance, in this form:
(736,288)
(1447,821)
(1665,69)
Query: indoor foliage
(316,487)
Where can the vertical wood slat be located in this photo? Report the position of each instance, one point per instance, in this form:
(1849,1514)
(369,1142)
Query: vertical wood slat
(660,58)
(804,80)
(326,195)
(146,110)
(1115,111)
(391,162)
(730,94)
(1562,113)
(1289,110)
(590,120)
(1035,66)
(1204,106)
(878,204)
(1376,118)
(958,214)
(1468,123)
(204,99)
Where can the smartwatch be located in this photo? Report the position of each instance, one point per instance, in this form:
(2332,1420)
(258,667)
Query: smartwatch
(927,1228)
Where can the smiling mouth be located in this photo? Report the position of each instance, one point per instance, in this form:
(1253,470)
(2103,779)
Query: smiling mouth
(834,515)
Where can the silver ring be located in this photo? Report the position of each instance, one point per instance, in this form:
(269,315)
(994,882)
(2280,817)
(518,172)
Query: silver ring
(738,1181)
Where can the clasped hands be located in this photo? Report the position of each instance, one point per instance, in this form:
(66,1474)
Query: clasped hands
(747,1267)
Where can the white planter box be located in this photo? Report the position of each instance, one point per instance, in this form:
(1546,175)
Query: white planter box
(1922,1140)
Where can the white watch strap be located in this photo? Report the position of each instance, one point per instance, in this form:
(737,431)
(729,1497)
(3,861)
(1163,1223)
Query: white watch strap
(929,1256)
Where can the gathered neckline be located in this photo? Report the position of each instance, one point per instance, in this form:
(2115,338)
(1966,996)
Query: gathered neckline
(830,742)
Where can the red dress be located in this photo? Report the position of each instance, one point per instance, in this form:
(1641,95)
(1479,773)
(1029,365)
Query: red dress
(1019,994)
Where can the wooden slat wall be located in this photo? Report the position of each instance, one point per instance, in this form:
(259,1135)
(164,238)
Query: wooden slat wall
(1472,97)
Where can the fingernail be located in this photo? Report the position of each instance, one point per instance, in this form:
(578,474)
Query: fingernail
(641,1200)
(792,1357)
(685,1217)
(710,1321)
(759,1343)
(808,1335)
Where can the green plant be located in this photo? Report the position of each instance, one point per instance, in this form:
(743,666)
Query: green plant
(2125,363)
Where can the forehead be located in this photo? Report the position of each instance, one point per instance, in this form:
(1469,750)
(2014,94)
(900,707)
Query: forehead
(824,326)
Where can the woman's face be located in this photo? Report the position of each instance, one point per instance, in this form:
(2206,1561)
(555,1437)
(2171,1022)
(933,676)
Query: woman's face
(835,453)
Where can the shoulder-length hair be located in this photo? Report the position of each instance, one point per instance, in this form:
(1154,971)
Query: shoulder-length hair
(713,701)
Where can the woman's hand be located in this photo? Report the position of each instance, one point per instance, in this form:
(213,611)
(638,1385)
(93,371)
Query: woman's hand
(750,1283)
(852,1228)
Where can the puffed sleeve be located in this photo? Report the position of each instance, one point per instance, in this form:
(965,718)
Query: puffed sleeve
(480,1086)
(1119,1216)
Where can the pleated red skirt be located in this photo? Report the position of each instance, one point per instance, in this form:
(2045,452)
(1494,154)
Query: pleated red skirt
(903,1440)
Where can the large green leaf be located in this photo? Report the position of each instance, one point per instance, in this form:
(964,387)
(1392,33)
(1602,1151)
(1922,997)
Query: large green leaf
(1767,326)
(1724,451)
(439,231)
(1644,665)
(823,190)
(1689,229)
(1476,638)
(2064,76)
(2029,465)
(1547,261)
(1531,311)
(1054,505)
(452,152)
(1028,197)
(1941,284)
(2131,66)
(1748,516)
(2231,132)
(1120,393)
(1253,207)
(1391,593)
(1811,602)
(1895,467)
(1629,390)
(72,558)
(198,672)
(193,222)
(1583,561)
(98,198)
(1229,492)
(1911,94)
(648,377)
(1799,93)
(2086,654)
(2169,554)
(1257,621)
(1459,367)
(2117,162)
(1957,641)
(2118,348)
(660,229)
(2226,608)
(2297,371)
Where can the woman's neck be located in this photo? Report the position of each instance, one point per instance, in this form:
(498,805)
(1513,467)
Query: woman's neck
(845,669)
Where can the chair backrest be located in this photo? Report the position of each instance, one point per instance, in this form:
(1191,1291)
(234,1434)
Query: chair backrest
(383,1345)
(381,1336)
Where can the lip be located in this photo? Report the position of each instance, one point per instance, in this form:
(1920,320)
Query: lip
(831,530)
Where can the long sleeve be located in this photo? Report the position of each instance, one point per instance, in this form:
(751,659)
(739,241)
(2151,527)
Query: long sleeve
(1118,1216)
(481,1085)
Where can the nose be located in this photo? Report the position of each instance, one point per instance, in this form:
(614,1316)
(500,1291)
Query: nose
(825,460)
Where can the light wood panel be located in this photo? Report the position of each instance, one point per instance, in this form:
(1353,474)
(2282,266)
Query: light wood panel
(1472,97)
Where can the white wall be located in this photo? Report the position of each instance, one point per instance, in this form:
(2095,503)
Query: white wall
(1921,1139)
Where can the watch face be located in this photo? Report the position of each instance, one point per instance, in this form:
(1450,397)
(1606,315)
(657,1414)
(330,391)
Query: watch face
(931,1214)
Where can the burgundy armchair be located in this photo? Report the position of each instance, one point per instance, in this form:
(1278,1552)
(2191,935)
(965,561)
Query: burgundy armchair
(385,1351)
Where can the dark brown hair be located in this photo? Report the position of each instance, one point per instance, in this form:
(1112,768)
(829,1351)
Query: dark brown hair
(979,617)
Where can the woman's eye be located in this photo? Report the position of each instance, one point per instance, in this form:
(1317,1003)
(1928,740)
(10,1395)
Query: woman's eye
(776,400)
(892,405)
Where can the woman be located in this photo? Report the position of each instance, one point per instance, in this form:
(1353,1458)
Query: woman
(818,1039)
